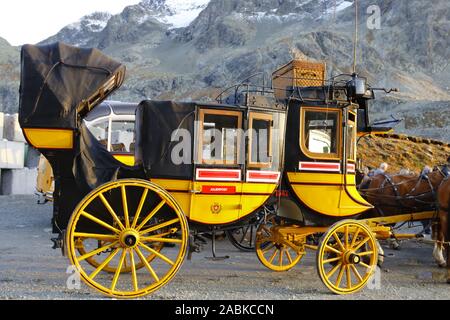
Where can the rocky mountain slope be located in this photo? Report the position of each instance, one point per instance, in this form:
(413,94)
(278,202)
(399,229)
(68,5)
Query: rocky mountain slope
(401,152)
(190,49)
(9,79)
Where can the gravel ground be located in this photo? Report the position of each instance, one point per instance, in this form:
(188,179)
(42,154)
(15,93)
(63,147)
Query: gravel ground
(30,269)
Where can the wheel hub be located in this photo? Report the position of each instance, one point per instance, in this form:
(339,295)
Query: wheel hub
(129,238)
(352,258)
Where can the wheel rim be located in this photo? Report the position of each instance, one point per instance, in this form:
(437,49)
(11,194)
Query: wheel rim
(277,256)
(347,257)
(126,222)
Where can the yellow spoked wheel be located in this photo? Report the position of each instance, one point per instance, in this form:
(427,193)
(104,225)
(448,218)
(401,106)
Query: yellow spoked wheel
(347,257)
(122,226)
(93,261)
(275,252)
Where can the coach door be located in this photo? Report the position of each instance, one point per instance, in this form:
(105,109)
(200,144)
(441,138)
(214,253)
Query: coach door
(218,176)
(325,182)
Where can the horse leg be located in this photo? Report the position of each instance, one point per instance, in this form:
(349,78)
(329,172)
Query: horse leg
(448,263)
(438,251)
(447,237)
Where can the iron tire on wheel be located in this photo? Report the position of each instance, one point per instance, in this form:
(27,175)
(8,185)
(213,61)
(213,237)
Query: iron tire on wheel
(348,250)
(128,218)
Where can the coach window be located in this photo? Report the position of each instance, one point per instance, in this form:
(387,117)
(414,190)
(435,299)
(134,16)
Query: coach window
(219,133)
(320,138)
(351,136)
(260,140)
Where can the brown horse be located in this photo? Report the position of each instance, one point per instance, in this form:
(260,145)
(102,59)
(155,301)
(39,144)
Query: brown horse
(409,194)
(444,226)
(400,194)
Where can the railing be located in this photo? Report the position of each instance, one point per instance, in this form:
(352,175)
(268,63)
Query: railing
(246,87)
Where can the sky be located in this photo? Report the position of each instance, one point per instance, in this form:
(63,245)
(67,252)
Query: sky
(31,21)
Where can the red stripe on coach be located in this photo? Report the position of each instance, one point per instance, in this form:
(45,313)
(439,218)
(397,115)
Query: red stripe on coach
(219,174)
(263,175)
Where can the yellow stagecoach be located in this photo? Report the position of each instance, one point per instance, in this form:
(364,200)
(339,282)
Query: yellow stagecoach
(202,167)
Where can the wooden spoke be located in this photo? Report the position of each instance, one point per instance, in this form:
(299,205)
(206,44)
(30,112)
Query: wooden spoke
(331,260)
(328,248)
(273,255)
(338,241)
(157,239)
(147,265)
(151,214)
(349,277)
(280,259)
(139,209)
(244,232)
(355,271)
(104,263)
(333,271)
(118,270)
(365,265)
(100,222)
(125,206)
(125,264)
(133,270)
(160,226)
(339,278)
(156,253)
(346,237)
(361,243)
(111,211)
(251,236)
(104,237)
(99,250)
(355,237)
(288,256)
(367,253)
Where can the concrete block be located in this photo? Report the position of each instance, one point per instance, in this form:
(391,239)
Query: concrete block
(2,124)
(31,157)
(12,154)
(19,181)
(12,130)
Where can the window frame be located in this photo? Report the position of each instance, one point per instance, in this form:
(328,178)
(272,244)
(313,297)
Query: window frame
(302,139)
(201,118)
(265,117)
(354,137)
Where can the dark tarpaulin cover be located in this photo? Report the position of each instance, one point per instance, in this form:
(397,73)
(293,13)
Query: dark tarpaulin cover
(94,165)
(156,121)
(57,78)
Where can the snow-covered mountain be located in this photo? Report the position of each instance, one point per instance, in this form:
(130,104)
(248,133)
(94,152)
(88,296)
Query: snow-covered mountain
(189,49)
(81,32)
(159,14)
(176,13)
